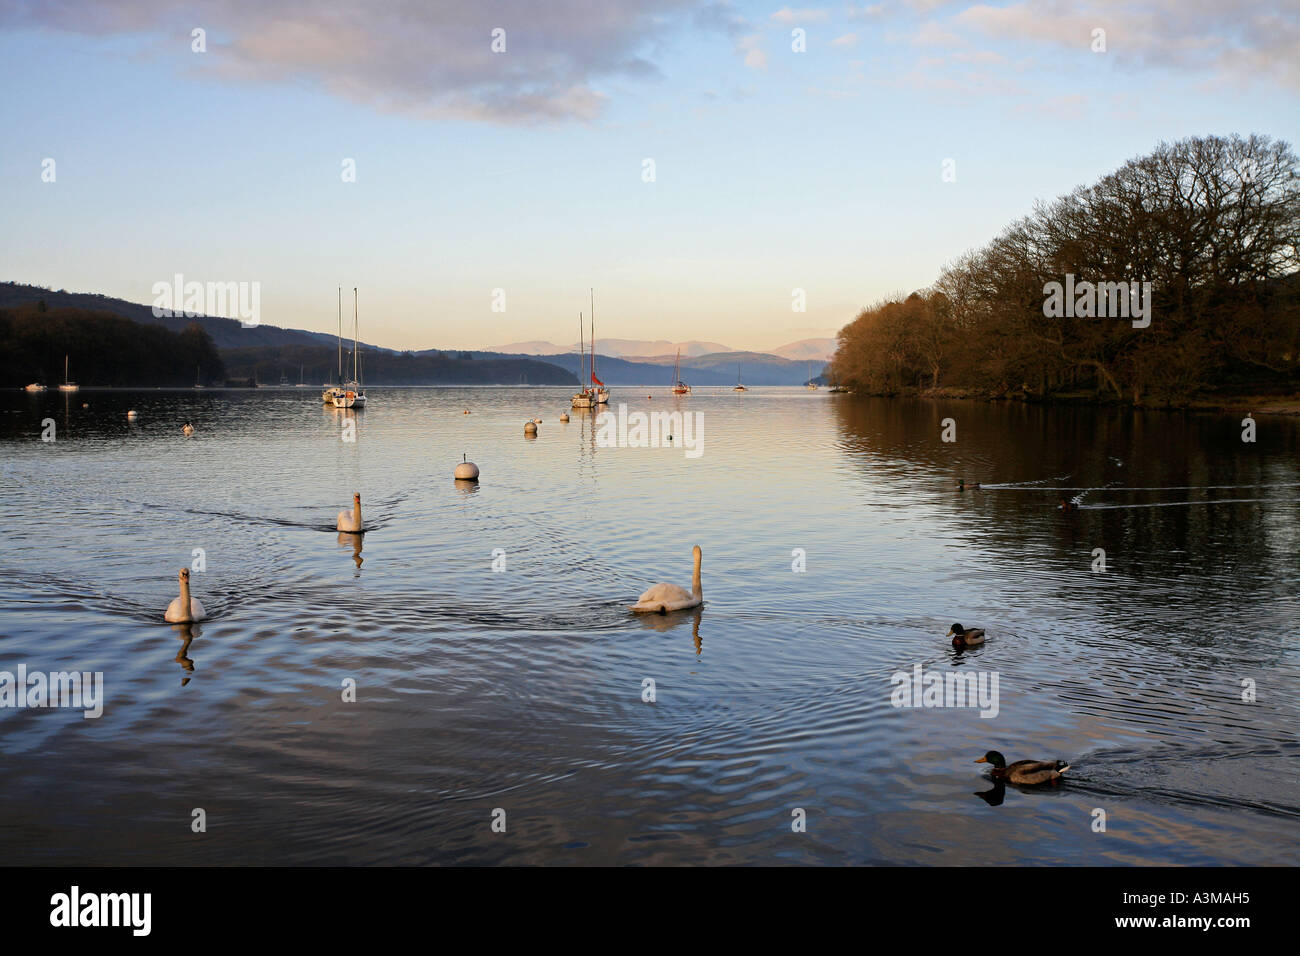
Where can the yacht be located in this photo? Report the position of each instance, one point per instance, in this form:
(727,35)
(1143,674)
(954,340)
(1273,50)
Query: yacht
(67,386)
(352,394)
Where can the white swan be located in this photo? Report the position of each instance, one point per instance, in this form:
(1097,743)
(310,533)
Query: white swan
(669,597)
(187,429)
(184,609)
(351,520)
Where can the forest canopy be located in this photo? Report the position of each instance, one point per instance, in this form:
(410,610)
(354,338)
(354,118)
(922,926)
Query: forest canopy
(1209,227)
(102,349)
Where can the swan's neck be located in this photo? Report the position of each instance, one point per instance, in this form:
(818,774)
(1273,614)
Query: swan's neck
(356,513)
(185,595)
(696,589)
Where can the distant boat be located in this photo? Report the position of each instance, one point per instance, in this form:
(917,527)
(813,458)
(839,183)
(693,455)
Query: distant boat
(353,394)
(811,386)
(36,387)
(198,378)
(679,387)
(601,393)
(67,386)
(740,386)
(587,397)
(301,383)
(333,392)
(284,380)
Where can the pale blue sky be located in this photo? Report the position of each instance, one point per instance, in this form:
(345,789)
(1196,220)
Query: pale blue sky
(774,169)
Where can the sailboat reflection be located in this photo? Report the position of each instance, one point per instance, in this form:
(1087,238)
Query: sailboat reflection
(187,633)
(675,619)
(347,540)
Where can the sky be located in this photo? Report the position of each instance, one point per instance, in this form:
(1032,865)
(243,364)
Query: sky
(790,149)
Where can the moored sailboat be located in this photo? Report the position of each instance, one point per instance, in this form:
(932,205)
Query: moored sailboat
(740,386)
(353,394)
(679,387)
(587,397)
(334,391)
(67,386)
(601,392)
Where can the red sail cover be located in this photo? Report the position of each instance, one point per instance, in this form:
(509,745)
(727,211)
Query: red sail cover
(596,380)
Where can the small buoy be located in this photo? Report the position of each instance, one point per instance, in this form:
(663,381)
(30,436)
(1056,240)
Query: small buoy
(564,416)
(132,415)
(85,404)
(466,470)
(530,428)
(465,412)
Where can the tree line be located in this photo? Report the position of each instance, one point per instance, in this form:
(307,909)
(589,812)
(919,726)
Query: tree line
(1209,227)
(102,349)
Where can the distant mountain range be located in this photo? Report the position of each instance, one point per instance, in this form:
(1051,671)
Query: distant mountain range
(663,352)
(266,351)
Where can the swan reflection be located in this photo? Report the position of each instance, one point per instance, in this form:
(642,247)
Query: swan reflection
(352,542)
(187,633)
(675,619)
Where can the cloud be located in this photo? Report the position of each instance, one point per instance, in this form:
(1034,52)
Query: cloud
(786,15)
(423,57)
(847,40)
(755,58)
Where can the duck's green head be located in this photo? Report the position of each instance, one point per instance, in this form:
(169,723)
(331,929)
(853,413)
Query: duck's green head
(996,759)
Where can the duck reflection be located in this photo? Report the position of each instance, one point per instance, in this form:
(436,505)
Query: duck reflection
(995,795)
(352,542)
(675,619)
(187,633)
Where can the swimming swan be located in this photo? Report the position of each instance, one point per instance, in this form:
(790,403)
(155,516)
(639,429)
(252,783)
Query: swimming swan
(351,520)
(669,597)
(184,609)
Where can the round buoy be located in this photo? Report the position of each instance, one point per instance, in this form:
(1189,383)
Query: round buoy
(530,428)
(466,470)
(564,416)
(465,412)
(132,415)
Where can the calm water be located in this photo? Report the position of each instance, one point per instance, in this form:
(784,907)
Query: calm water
(522,689)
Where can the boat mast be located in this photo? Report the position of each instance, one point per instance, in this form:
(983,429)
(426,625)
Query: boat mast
(593,336)
(582,355)
(340,339)
(354,335)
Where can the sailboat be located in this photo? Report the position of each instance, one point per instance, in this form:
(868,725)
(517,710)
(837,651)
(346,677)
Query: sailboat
(353,394)
(740,386)
(198,377)
(67,386)
(301,383)
(333,391)
(586,398)
(679,387)
(601,393)
(811,386)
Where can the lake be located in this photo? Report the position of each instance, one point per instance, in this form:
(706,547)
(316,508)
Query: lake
(500,677)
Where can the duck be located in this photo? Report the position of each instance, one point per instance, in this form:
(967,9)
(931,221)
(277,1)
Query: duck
(965,636)
(1027,773)
(662,598)
(187,429)
(961,485)
(351,520)
(184,609)
(1068,505)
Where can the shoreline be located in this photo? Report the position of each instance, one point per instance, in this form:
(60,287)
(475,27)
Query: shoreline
(1288,405)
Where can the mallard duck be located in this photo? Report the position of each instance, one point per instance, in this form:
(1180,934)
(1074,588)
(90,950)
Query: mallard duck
(1027,773)
(965,637)
(1069,505)
(961,485)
